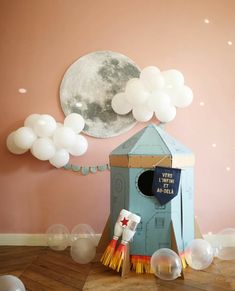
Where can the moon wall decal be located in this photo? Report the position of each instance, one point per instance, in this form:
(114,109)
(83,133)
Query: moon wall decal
(88,87)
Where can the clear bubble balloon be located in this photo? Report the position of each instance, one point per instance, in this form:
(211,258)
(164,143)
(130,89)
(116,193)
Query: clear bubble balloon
(43,149)
(83,231)
(166,264)
(152,78)
(136,93)
(24,137)
(58,237)
(12,147)
(64,137)
(199,254)
(74,121)
(60,158)
(45,125)
(225,249)
(120,104)
(142,113)
(83,250)
(11,283)
(31,120)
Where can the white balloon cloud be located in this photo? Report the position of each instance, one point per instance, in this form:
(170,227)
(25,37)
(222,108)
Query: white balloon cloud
(49,140)
(154,92)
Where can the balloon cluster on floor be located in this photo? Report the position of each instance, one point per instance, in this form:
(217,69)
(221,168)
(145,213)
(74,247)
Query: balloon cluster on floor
(48,139)
(167,265)
(154,92)
(81,239)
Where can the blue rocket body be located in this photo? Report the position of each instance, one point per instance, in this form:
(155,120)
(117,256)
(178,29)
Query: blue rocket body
(132,165)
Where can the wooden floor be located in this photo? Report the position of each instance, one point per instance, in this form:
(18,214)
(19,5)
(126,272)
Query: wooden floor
(42,269)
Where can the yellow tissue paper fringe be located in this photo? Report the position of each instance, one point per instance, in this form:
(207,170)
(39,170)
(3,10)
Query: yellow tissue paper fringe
(108,253)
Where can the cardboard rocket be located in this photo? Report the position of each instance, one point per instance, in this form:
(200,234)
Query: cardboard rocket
(165,223)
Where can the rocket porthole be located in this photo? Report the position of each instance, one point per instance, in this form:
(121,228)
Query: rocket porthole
(145,182)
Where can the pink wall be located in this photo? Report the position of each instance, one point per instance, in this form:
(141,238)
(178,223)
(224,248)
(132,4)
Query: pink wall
(40,39)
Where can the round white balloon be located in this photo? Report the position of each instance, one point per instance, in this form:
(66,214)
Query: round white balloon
(142,114)
(79,147)
(31,120)
(45,126)
(43,149)
(24,137)
(59,124)
(136,92)
(60,158)
(120,104)
(74,121)
(158,100)
(173,78)
(166,115)
(151,78)
(12,147)
(64,137)
(183,97)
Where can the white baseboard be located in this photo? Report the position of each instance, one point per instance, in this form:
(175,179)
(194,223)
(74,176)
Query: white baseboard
(12,239)
(21,239)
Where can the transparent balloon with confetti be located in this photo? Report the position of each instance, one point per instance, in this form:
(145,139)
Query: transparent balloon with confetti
(166,264)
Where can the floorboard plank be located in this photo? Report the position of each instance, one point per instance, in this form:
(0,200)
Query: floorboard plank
(32,285)
(46,278)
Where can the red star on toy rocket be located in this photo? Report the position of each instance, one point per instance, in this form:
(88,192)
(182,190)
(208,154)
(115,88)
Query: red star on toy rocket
(124,221)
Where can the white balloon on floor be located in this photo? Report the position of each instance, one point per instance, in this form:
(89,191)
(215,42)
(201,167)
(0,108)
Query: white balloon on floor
(58,237)
(83,250)
(166,264)
(11,283)
(199,254)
